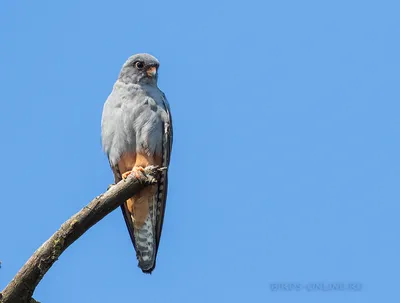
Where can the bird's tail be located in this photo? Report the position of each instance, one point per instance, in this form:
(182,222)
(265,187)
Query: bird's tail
(145,240)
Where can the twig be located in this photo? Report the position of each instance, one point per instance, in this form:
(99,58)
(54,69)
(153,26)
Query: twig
(22,286)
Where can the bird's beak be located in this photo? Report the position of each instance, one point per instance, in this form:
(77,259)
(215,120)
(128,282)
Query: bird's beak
(152,71)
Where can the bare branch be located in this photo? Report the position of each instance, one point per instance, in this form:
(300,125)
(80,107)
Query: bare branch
(22,286)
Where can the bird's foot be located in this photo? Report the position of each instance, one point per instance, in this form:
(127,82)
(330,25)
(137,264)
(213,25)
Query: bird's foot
(138,169)
(134,170)
(126,174)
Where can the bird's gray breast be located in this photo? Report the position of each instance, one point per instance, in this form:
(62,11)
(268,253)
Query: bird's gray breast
(133,120)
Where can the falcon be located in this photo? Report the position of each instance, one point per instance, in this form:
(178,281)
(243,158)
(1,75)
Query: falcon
(136,131)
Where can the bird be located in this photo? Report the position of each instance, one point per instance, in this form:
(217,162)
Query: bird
(136,132)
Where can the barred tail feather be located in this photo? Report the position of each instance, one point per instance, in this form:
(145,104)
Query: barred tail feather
(145,238)
(145,246)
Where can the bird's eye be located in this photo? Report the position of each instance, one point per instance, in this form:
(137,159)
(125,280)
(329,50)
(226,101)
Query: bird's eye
(139,65)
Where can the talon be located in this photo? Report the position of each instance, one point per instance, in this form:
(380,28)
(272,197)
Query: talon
(126,174)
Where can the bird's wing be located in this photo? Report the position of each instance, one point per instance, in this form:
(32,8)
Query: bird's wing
(163,184)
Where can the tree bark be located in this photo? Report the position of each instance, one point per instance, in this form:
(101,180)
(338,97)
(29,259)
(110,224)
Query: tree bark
(22,286)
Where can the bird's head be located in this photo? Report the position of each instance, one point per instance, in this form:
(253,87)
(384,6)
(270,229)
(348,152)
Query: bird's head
(140,69)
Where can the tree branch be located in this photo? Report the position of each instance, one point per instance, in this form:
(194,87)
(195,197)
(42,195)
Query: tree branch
(22,286)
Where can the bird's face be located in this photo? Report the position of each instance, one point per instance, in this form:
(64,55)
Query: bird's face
(140,69)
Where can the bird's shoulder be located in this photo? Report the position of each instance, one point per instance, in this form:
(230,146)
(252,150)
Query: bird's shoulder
(124,93)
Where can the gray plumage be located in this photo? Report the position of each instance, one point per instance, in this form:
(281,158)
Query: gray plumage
(136,118)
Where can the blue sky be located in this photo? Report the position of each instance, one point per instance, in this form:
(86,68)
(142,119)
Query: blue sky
(285,165)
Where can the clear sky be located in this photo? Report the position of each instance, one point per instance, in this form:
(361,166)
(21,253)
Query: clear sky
(285,164)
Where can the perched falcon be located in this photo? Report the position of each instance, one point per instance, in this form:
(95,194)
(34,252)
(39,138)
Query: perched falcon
(136,132)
